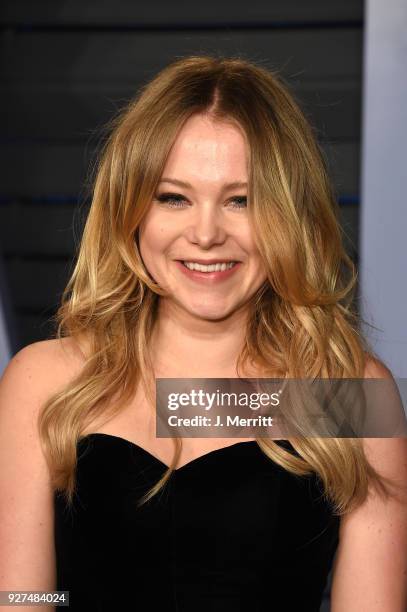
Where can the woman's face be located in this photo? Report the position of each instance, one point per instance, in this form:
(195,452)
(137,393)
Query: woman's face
(199,214)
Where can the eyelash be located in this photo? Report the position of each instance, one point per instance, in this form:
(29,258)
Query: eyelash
(173,199)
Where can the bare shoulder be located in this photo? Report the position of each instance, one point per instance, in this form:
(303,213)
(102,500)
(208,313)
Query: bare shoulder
(34,373)
(45,361)
(375,368)
(387,455)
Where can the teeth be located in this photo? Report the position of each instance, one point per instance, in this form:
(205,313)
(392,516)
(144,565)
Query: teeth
(219,267)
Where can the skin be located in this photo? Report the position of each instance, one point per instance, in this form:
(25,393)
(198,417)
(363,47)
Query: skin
(207,220)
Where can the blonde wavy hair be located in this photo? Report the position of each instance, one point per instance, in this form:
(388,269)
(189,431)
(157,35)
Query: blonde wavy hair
(302,322)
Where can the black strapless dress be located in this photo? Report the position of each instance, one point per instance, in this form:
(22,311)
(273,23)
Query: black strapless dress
(231,531)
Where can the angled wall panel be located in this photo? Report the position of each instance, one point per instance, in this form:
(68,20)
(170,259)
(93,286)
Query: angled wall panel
(384,201)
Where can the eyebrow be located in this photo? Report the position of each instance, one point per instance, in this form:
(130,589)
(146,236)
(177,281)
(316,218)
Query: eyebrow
(234,185)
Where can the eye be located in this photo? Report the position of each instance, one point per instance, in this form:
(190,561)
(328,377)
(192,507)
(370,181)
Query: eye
(173,200)
(240,201)
(176,200)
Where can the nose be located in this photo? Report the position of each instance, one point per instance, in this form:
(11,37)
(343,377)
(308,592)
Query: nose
(207,226)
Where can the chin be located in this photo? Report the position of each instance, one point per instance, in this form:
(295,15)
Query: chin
(209,314)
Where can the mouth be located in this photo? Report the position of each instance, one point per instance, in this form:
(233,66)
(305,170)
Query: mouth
(220,270)
(209,266)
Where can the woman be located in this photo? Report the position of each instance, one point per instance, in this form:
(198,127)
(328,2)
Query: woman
(213,162)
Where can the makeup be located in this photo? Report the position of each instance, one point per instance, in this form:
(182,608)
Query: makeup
(205,277)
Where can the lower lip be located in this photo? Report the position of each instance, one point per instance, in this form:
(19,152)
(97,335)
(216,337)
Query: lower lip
(208,276)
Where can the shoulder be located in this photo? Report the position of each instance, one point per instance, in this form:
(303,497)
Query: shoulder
(35,372)
(374,368)
(33,365)
(387,455)
(32,376)
(57,353)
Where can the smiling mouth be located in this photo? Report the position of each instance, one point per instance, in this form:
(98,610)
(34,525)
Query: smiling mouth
(213,267)
(212,273)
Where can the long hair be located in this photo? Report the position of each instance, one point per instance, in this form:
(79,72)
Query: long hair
(302,320)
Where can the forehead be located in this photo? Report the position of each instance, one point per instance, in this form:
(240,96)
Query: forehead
(206,147)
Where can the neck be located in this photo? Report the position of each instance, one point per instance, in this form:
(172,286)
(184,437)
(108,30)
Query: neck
(184,345)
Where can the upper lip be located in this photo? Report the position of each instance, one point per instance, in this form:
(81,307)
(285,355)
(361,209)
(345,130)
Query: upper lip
(207,262)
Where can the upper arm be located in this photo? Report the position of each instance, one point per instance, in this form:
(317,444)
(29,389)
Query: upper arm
(27,555)
(370,570)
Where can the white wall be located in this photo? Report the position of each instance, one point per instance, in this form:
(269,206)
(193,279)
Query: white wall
(383,221)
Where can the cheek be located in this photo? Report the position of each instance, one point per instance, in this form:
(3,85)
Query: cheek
(252,251)
(148,247)
(154,244)
(258,268)
(151,238)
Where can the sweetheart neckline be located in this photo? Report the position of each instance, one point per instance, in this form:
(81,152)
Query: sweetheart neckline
(155,458)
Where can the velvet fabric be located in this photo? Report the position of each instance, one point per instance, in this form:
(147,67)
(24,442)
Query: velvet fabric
(231,531)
